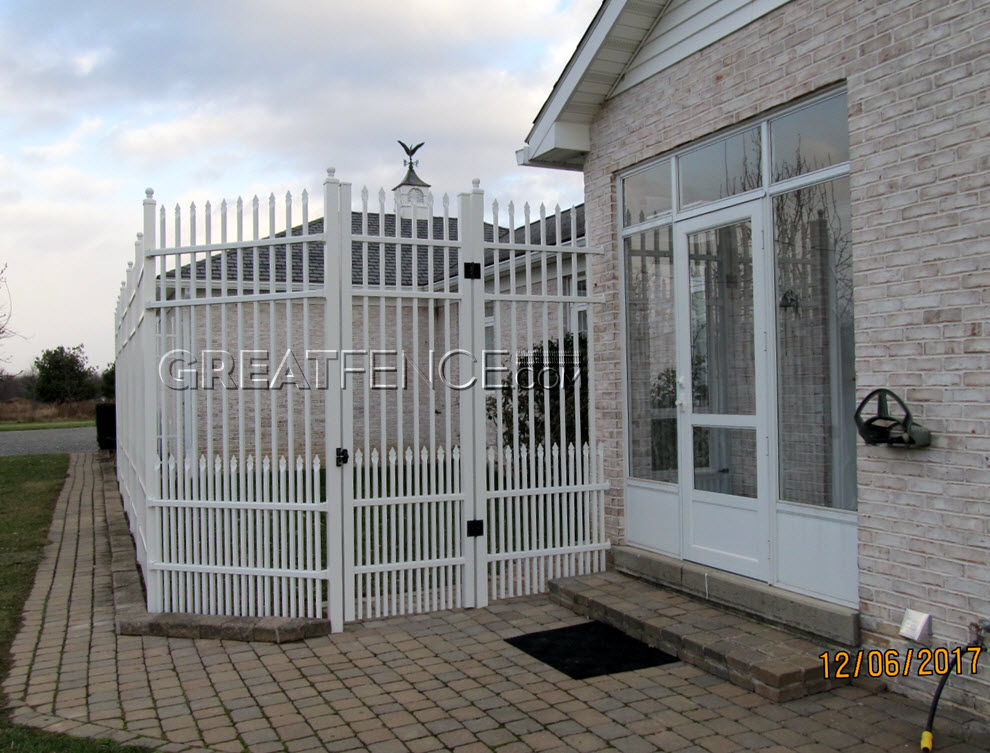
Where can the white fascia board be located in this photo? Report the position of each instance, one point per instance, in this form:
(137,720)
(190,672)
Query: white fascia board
(572,75)
(557,159)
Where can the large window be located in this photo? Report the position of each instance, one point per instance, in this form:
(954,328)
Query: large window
(795,162)
(815,360)
(652,369)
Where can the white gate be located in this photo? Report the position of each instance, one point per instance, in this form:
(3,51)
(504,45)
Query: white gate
(377,413)
(464,490)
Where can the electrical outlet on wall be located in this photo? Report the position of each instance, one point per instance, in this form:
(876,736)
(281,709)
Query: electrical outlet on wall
(917,626)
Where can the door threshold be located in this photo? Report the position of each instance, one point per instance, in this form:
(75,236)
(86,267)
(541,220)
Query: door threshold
(774,605)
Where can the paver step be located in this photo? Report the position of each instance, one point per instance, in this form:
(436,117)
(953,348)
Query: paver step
(830,622)
(771,662)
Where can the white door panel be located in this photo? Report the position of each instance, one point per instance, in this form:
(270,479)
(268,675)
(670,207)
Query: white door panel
(722,374)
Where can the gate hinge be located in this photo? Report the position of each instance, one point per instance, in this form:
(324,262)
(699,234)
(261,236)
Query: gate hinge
(472,270)
(342,456)
(476,528)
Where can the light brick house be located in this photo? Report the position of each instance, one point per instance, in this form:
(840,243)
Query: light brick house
(793,198)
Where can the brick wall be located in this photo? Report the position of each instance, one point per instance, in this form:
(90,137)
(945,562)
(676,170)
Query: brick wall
(917,75)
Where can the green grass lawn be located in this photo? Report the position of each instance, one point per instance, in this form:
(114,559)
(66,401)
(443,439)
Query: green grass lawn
(32,425)
(29,486)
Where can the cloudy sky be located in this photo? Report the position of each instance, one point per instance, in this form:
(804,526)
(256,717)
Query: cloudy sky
(217,99)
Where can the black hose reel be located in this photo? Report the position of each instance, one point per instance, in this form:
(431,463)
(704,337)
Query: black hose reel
(879,426)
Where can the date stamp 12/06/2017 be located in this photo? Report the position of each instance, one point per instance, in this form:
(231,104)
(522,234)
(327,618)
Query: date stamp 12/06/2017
(846,665)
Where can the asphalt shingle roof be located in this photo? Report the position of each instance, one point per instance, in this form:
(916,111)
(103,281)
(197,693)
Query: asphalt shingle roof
(240,262)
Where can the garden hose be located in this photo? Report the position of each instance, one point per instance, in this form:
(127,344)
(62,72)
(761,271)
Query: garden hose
(927,738)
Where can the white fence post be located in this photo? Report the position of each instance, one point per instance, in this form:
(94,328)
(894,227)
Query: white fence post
(146,367)
(337,263)
(471,231)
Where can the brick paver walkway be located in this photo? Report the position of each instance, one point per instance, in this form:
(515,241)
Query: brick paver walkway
(445,681)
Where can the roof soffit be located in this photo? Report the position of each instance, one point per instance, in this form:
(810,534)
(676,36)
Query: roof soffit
(611,42)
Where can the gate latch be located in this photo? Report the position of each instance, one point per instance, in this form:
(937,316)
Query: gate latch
(342,456)
(476,528)
(472,270)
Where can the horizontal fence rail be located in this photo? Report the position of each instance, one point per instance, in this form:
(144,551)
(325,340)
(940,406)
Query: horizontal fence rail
(329,418)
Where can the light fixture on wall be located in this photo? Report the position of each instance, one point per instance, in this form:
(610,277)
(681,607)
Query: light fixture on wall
(878,425)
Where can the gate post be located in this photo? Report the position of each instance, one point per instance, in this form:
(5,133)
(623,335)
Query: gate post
(471,231)
(337,414)
(147,361)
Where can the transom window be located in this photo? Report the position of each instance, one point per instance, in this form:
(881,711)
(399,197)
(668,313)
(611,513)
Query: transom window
(720,169)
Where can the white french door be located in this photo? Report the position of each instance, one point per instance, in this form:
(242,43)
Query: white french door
(722,394)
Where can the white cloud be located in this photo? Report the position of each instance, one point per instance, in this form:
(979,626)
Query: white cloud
(193,134)
(86,62)
(66,147)
(414,27)
(67,183)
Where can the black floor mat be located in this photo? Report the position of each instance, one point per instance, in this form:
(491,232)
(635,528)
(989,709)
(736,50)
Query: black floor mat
(589,650)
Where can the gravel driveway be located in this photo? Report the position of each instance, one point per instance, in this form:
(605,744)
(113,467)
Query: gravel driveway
(41,441)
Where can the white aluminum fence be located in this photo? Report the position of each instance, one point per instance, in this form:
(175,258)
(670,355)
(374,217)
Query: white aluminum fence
(247,361)
(544,470)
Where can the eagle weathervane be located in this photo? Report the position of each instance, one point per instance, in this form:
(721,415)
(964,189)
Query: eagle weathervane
(411,178)
(410,151)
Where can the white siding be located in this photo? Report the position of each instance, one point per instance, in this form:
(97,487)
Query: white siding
(688,26)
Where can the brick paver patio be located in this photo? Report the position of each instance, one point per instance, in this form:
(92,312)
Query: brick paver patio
(444,681)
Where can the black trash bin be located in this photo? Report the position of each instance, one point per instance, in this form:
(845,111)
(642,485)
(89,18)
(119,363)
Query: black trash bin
(106,426)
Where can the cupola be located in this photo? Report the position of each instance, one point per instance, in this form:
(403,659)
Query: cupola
(413,192)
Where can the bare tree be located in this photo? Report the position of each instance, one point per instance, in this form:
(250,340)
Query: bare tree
(6,312)
(5,307)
